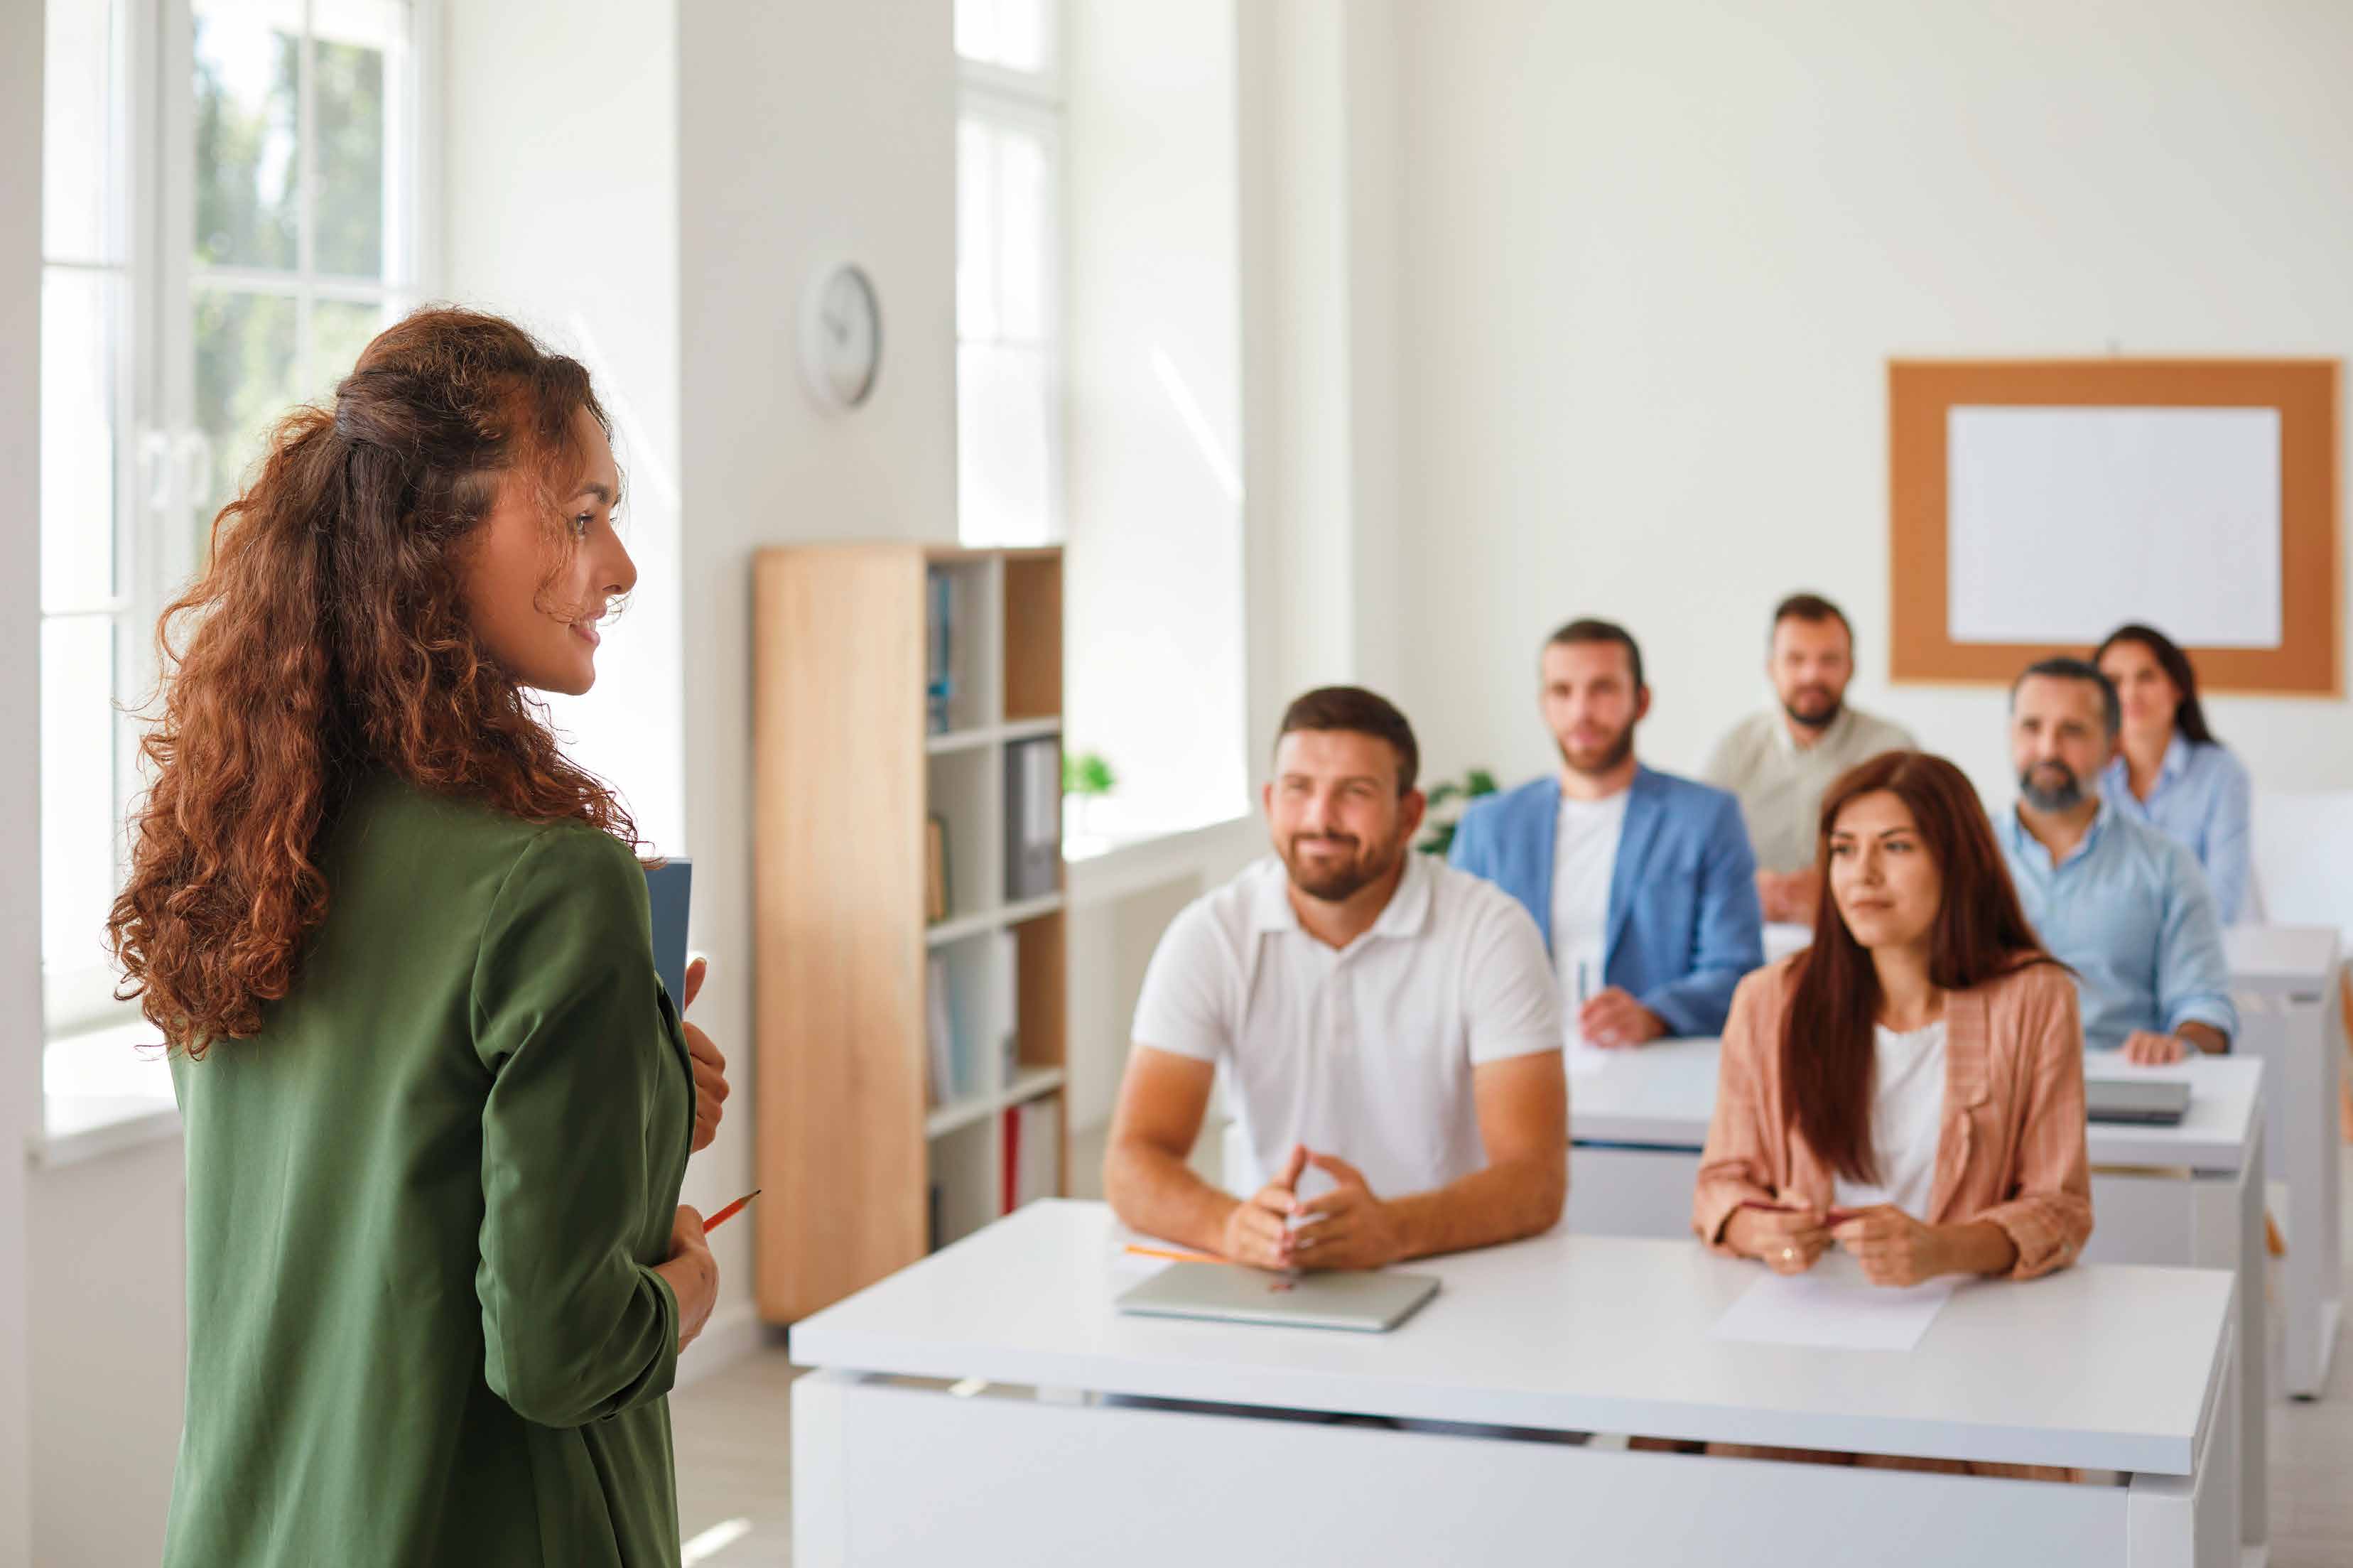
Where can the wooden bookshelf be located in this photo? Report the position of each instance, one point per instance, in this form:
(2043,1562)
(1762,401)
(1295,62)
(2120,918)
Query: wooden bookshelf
(854,1135)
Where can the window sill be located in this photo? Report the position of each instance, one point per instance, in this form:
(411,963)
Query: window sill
(100,1095)
(1105,866)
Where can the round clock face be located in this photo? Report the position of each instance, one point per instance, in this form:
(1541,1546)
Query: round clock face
(846,329)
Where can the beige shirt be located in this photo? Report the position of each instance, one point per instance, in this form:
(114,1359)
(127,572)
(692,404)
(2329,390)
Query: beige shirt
(1781,785)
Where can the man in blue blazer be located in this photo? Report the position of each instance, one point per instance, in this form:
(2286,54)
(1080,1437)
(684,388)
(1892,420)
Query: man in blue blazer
(1642,883)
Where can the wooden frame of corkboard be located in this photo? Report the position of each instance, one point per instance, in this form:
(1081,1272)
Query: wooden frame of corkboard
(2309,660)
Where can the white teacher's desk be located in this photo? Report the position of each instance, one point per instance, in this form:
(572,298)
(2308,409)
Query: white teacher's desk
(2186,1195)
(2283,979)
(1022,1460)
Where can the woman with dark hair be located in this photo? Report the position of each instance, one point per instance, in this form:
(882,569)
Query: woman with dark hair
(1911,1087)
(437,1105)
(1919,1069)
(2170,771)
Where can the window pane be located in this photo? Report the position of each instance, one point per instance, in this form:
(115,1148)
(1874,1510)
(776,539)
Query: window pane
(347,96)
(77,788)
(78,438)
(1015,34)
(340,329)
(248,173)
(246,377)
(1003,447)
(1023,230)
(976,219)
(1022,41)
(77,138)
(975,29)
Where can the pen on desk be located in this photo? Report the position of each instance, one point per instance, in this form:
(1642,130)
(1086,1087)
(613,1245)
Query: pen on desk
(723,1215)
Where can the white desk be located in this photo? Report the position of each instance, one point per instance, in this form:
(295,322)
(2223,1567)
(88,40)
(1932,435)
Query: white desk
(2103,1367)
(2186,1196)
(2283,979)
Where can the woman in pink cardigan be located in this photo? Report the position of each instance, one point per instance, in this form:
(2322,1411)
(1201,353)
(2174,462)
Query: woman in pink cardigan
(1911,1087)
(1919,1068)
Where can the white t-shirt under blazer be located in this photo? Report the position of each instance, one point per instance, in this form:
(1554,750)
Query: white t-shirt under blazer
(1365,1051)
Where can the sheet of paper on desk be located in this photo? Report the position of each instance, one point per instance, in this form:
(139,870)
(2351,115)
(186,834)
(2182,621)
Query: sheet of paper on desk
(1584,1060)
(1832,1307)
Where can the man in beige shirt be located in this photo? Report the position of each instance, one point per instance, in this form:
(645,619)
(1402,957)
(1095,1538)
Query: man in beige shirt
(1778,762)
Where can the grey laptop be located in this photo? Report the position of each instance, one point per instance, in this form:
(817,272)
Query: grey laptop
(1369,1303)
(2144,1101)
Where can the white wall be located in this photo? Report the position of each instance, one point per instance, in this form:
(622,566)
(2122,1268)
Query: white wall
(560,210)
(1655,258)
(20,736)
(809,131)
(1154,569)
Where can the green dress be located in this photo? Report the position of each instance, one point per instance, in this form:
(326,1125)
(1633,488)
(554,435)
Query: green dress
(423,1205)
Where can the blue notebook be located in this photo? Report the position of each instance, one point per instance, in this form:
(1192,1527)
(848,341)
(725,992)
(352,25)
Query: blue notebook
(666,886)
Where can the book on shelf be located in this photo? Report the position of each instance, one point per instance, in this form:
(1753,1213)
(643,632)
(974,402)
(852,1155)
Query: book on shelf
(1032,1152)
(1033,818)
(935,869)
(939,1033)
(939,680)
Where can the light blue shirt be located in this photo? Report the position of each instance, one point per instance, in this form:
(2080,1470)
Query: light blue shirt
(2202,801)
(2128,910)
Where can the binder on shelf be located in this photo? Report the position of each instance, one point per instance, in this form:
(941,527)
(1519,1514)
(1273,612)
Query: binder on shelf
(939,1034)
(939,684)
(1005,993)
(1033,818)
(1034,1151)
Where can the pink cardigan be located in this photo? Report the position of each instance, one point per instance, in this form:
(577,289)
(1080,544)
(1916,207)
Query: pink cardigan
(2011,1148)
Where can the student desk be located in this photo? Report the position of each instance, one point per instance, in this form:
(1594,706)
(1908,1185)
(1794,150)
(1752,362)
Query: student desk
(2283,979)
(2106,1366)
(2191,1194)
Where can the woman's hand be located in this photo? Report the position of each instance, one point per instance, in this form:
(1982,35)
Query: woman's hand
(1892,1247)
(692,1273)
(1786,1240)
(710,1066)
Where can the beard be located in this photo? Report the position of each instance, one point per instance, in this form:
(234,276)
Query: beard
(2050,786)
(1336,880)
(1815,707)
(1600,759)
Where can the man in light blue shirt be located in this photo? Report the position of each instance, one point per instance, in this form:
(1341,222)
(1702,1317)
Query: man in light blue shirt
(2120,903)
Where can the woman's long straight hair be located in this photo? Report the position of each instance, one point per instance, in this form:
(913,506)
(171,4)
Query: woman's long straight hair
(2190,718)
(1981,932)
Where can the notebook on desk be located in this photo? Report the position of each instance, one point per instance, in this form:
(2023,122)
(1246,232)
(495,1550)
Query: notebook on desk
(1365,1302)
(2141,1102)
(667,887)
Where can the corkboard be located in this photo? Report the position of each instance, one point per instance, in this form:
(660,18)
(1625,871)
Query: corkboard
(1921,394)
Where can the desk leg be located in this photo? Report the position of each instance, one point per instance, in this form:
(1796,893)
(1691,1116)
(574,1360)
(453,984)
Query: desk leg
(821,1448)
(2193,1521)
(2215,1244)
(2307,1082)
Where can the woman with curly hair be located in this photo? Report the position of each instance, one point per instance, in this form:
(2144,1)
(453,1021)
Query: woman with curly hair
(438,1106)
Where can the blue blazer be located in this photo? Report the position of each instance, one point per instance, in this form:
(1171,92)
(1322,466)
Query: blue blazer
(1683,924)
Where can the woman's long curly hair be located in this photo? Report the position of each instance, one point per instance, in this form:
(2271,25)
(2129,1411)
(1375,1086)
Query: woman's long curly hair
(329,637)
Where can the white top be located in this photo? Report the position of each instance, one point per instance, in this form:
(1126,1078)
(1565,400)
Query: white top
(1584,857)
(1664,1094)
(2100,1365)
(1365,1052)
(1907,1112)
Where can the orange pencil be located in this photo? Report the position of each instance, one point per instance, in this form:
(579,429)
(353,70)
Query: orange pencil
(723,1215)
(1173,1255)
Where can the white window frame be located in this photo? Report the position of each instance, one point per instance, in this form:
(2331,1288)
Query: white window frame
(1033,102)
(162,460)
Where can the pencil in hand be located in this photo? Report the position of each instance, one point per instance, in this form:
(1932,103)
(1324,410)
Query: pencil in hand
(723,1215)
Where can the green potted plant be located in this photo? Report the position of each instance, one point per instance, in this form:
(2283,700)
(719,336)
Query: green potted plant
(1087,777)
(1448,801)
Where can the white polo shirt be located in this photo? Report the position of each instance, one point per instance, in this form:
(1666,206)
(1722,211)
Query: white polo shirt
(1366,1051)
